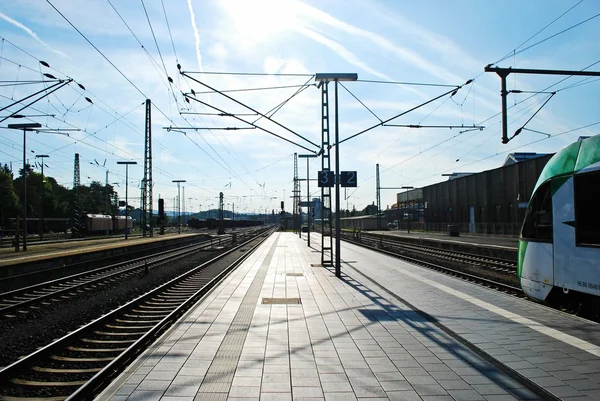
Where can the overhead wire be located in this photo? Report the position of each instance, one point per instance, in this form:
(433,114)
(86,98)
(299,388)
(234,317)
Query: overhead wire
(513,52)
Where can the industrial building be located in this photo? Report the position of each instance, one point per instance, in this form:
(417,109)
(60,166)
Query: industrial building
(490,202)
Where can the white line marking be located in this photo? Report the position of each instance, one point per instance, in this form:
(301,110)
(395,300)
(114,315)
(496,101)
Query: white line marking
(532,324)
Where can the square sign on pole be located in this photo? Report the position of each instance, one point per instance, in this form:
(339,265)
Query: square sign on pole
(326,178)
(348,178)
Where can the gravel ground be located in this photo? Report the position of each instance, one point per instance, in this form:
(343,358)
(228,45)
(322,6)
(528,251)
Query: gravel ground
(27,332)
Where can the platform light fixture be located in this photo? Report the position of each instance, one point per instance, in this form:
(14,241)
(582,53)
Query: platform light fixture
(25,127)
(127,164)
(336,77)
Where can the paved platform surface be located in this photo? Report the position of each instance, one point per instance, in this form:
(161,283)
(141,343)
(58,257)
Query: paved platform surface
(478,240)
(41,251)
(385,330)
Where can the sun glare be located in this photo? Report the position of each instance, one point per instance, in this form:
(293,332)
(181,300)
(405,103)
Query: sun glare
(260,20)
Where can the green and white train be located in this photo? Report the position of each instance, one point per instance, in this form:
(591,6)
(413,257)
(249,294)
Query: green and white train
(559,246)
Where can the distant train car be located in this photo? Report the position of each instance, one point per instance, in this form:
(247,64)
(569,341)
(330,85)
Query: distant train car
(120,223)
(96,224)
(559,246)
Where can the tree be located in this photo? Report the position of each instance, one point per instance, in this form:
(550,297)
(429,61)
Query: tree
(9,201)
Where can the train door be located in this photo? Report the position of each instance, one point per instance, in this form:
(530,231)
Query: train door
(577,232)
(535,245)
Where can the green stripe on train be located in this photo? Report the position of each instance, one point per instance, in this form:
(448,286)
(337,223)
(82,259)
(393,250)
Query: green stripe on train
(522,250)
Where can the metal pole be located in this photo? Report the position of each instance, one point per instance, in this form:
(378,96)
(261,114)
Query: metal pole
(178,209)
(42,204)
(504,95)
(24,191)
(308,198)
(338,272)
(126,200)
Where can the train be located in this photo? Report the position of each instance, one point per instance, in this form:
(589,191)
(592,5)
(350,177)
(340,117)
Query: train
(97,224)
(213,224)
(559,243)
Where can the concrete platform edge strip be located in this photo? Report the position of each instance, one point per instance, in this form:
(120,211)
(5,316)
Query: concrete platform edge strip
(537,389)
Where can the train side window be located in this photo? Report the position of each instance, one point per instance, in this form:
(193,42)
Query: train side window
(587,212)
(538,219)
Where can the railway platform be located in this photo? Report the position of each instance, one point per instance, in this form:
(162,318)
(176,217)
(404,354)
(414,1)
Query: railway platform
(479,240)
(282,327)
(41,251)
(500,247)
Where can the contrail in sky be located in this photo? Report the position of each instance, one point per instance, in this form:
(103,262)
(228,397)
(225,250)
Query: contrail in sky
(31,33)
(196,35)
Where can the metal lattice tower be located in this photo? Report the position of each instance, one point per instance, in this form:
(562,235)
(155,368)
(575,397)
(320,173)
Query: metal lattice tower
(221,229)
(296,205)
(76,175)
(76,229)
(378,197)
(326,216)
(147,181)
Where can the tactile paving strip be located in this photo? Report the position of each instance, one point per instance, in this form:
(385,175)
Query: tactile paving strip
(219,377)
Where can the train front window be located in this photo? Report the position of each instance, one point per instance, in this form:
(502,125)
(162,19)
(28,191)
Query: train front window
(587,211)
(538,220)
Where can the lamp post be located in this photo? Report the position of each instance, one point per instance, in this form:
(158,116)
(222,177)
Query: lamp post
(126,163)
(403,214)
(42,197)
(326,78)
(309,156)
(25,127)
(178,205)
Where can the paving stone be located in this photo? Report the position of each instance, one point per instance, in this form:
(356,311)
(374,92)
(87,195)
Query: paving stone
(336,387)
(276,396)
(408,395)
(368,391)
(305,392)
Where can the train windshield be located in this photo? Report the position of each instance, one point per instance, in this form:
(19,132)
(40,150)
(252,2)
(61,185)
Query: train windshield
(587,212)
(538,219)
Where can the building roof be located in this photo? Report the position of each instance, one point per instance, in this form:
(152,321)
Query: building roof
(518,157)
(454,176)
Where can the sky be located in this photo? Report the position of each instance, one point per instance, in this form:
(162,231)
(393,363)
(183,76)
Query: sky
(124,52)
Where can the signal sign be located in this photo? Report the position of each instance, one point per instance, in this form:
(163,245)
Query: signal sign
(326,178)
(348,178)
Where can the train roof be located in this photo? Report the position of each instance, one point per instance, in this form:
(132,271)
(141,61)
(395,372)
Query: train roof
(98,216)
(580,156)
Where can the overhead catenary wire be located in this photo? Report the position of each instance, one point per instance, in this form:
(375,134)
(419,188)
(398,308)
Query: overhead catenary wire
(513,52)
(407,83)
(252,109)
(106,58)
(359,101)
(450,92)
(258,74)
(252,124)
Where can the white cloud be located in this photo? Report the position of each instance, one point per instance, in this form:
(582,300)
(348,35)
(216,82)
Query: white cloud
(31,33)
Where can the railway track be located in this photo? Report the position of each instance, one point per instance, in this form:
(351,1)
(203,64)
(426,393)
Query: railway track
(22,300)
(79,364)
(492,272)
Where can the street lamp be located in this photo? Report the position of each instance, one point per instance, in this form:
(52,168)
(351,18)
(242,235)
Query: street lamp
(309,156)
(42,197)
(178,204)
(326,78)
(126,163)
(25,127)
(403,214)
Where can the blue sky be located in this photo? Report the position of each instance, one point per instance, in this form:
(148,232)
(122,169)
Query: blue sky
(435,42)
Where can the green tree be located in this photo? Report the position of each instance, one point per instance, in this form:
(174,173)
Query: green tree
(9,201)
